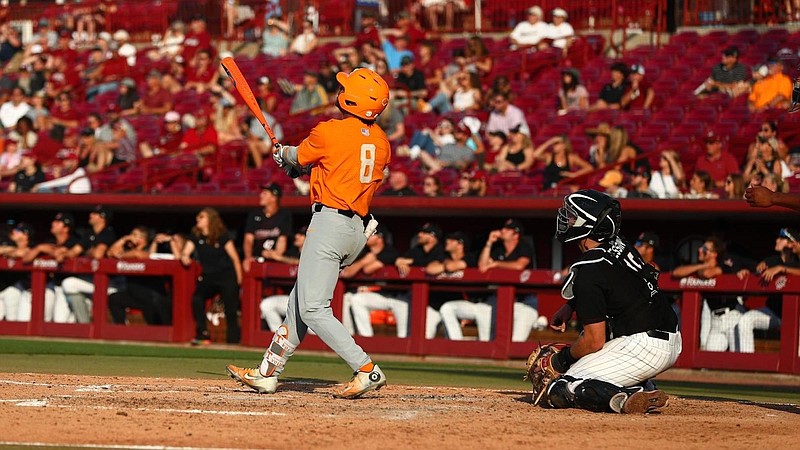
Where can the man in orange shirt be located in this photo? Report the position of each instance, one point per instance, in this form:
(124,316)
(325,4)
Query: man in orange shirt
(774,91)
(347,160)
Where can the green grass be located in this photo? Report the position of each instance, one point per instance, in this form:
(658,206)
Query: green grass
(113,359)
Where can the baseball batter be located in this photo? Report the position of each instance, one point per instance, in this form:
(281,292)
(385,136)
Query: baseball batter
(629,330)
(347,160)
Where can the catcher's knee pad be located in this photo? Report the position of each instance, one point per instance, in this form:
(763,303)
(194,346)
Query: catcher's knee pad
(595,395)
(558,393)
(279,351)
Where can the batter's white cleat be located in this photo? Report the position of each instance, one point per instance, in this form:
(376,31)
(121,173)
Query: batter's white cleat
(639,402)
(361,383)
(253,379)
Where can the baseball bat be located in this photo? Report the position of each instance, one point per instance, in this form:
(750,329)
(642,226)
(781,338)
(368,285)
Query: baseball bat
(240,83)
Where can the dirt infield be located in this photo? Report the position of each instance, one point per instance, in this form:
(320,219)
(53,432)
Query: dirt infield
(125,411)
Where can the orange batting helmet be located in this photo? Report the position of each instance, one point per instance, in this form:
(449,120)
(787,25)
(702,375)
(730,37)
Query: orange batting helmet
(364,93)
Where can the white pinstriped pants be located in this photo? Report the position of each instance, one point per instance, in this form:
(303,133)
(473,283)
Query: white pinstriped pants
(628,360)
(755,319)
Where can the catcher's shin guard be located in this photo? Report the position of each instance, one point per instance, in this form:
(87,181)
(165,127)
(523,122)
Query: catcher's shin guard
(591,395)
(279,351)
(559,395)
(596,395)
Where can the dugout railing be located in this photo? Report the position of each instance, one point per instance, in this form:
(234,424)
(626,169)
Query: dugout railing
(182,282)
(505,284)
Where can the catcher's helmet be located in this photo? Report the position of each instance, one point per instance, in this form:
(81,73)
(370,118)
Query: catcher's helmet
(364,93)
(588,213)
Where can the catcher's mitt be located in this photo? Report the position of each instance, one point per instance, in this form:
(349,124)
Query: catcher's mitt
(540,370)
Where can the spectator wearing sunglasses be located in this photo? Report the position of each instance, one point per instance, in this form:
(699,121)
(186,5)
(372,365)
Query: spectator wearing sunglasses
(720,313)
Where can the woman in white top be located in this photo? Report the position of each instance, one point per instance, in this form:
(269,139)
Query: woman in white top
(306,41)
(669,179)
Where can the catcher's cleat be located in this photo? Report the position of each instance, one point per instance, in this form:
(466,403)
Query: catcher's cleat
(361,383)
(642,402)
(253,379)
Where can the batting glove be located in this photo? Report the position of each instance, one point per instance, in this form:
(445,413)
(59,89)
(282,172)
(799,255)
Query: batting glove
(277,156)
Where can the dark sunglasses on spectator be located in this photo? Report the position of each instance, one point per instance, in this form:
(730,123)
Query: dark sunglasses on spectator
(767,130)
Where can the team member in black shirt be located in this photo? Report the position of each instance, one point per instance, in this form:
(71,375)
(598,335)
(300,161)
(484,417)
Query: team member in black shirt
(94,244)
(212,247)
(267,230)
(629,330)
(506,249)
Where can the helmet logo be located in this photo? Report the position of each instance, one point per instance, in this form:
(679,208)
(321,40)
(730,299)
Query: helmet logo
(368,113)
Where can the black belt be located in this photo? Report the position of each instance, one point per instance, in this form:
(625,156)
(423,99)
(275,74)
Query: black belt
(658,334)
(345,212)
(721,311)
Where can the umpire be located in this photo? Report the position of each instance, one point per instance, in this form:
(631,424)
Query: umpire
(629,330)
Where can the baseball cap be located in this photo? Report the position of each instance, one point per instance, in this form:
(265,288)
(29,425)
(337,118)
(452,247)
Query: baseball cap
(121,35)
(406,60)
(611,178)
(384,232)
(172,116)
(102,211)
(711,136)
(514,224)
(302,230)
(432,229)
(637,68)
(478,175)
(128,82)
(789,234)
(500,134)
(28,154)
(24,228)
(602,128)
(459,236)
(66,218)
(620,67)
(536,11)
(460,126)
(274,188)
(649,238)
(515,128)
(87,132)
(731,51)
(263,80)
(154,74)
(559,12)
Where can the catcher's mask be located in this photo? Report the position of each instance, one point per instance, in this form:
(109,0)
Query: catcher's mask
(588,214)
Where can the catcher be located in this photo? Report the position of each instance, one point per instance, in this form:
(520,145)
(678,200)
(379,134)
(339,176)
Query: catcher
(629,330)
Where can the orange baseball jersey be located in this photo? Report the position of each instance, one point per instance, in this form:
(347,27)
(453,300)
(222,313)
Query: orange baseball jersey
(349,157)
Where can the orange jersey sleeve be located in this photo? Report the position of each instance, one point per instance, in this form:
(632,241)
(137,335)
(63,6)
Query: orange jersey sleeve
(349,158)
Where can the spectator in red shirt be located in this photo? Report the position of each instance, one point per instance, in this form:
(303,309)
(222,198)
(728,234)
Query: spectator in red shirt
(197,39)
(640,94)
(63,117)
(203,75)
(369,32)
(170,139)
(202,139)
(156,99)
(64,48)
(267,98)
(716,162)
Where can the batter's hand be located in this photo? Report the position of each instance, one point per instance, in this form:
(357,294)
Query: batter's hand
(758,196)
(277,156)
